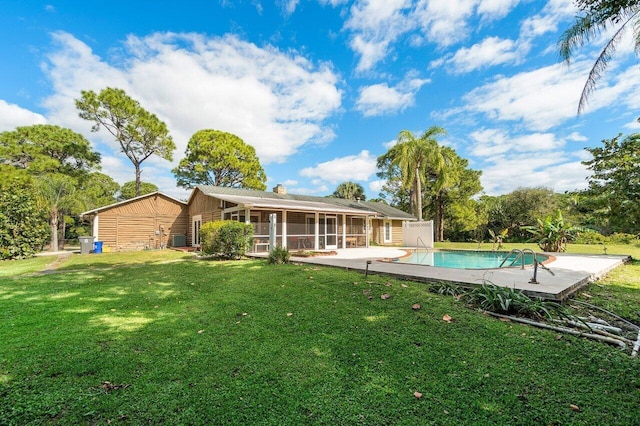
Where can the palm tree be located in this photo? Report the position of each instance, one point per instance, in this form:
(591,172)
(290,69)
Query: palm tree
(350,191)
(413,156)
(598,16)
(56,194)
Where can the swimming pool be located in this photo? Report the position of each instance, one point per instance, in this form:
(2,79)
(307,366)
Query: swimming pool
(467,259)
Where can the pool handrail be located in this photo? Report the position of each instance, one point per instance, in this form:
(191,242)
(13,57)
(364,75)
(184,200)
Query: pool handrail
(419,240)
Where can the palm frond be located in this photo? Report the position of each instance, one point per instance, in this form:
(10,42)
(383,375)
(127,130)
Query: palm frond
(599,66)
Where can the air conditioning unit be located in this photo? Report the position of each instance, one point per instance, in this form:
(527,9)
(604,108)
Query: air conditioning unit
(179,241)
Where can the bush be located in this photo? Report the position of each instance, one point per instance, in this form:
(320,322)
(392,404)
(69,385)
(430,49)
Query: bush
(279,255)
(23,229)
(589,236)
(622,238)
(227,239)
(505,300)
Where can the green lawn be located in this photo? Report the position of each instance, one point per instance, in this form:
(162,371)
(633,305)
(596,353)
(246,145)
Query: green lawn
(161,338)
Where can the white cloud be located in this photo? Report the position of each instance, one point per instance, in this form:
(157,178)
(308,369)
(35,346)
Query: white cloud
(530,160)
(444,22)
(380,99)
(577,137)
(556,170)
(353,167)
(274,101)
(541,99)
(333,3)
(12,116)
(491,51)
(496,9)
(376,186)
(289,6)
(390,144)
(376,24)
(554,12)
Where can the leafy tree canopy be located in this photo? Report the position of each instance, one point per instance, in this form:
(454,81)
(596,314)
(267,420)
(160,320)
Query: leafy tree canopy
(615,182)
(128,189)
(45,148)
(219,158)
(350,191)
(409,160)
(140,133)
(98,190)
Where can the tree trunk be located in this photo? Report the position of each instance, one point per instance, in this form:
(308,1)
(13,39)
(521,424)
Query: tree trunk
(138,180)
(63,231)
(54,230)
(439,234)
(418,195)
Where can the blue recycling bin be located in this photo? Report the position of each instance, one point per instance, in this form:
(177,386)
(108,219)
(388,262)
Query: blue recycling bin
(97,247)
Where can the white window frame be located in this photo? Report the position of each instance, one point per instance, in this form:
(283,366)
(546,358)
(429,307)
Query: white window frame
(195,237)
(387,225)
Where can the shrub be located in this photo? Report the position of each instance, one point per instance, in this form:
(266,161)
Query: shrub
(589,236)
(505,300)
(622,238)
(23,229)
(279,255)
(227,239)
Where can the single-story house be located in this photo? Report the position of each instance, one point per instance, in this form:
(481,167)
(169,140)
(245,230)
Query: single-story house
(303,222)
(153,220)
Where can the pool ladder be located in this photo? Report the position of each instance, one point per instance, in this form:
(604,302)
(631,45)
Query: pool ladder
(418,241)
(520,254)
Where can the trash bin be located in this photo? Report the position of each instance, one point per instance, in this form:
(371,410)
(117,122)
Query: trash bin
(97,247)
(86,245)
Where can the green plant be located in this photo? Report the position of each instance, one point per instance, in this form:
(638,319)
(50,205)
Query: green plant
(279,255)
(505,300)
(497,239)
(447,288)
(589,236)
(23,229)
(622,238)
(227,239)
(552,234)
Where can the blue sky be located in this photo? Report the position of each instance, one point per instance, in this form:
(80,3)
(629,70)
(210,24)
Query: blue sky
(321,88)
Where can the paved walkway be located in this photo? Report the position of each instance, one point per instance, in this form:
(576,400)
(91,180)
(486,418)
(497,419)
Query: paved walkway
(571,271)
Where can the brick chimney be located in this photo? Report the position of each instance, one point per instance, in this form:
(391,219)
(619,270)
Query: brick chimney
(280,189)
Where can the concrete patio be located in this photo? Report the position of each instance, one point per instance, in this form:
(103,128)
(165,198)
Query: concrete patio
(571,271)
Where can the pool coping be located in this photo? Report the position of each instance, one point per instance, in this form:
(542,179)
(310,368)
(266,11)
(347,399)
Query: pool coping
(571,271)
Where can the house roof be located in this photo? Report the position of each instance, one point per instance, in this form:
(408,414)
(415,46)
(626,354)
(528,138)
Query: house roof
(252,198)
(110,206)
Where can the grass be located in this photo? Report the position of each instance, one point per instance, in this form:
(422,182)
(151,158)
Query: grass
(161,338)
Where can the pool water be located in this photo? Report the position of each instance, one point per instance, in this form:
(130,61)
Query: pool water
(467,259)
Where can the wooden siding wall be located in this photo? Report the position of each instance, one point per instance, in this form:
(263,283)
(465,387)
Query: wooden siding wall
(133,226)
(377,235)
(205,206)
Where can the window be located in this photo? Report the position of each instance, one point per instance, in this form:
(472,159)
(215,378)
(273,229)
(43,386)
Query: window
(387,225)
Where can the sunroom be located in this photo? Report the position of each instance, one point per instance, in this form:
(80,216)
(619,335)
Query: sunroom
(300,225)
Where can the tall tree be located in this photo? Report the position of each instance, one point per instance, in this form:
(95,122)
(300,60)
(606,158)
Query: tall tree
(45,148)
(350,191)
(128,189)
(97,190)
(598,16)
(615,182)
(140,133)
(219,158)
(449,192)
(41,150)
(412,156)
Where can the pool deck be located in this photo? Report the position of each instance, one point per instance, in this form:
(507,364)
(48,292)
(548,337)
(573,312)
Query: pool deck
(571,271)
